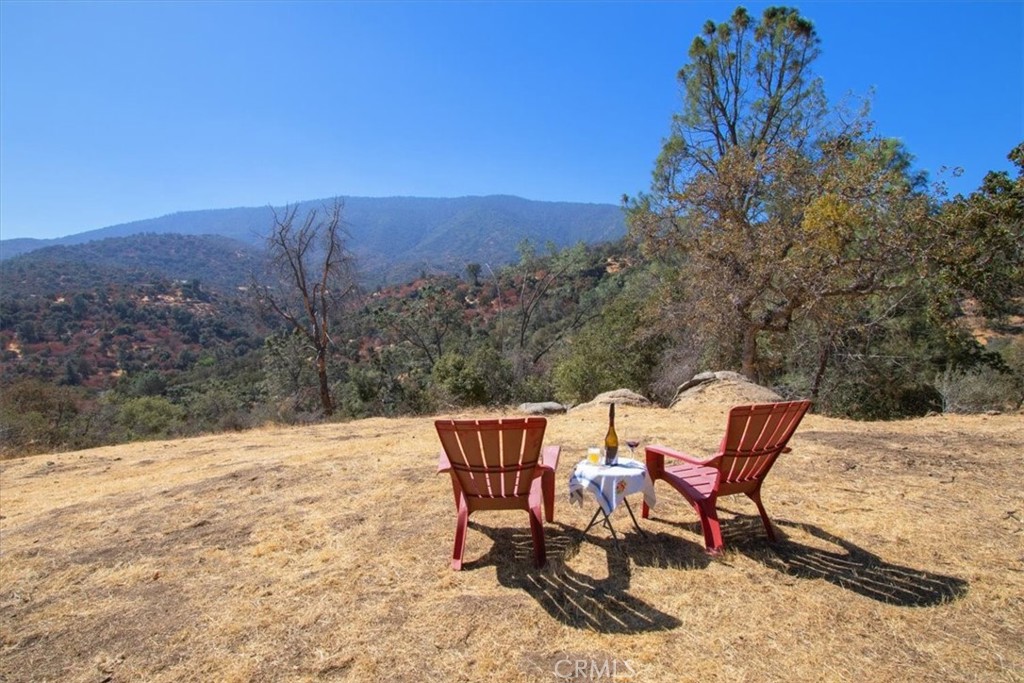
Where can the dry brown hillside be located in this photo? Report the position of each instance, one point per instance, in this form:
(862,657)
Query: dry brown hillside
(321,554)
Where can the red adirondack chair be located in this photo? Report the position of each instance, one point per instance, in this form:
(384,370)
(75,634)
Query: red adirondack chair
(754,438)
(499,465)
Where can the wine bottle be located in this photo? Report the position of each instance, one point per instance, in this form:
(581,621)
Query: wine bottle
(611,439)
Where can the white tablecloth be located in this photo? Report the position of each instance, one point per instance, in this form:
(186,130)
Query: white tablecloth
(610,483)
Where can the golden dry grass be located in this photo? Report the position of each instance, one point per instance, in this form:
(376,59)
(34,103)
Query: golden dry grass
(322,553)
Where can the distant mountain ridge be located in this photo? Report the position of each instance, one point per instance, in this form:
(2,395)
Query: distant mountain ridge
(394,238)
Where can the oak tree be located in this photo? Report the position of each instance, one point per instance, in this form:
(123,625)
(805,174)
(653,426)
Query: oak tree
(770,204)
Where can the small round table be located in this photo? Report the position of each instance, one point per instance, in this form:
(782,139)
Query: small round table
(610,484)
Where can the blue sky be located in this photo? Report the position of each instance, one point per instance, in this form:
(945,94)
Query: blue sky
(118,111)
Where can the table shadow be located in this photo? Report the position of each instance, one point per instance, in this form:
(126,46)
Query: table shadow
(844,564)
(572,597)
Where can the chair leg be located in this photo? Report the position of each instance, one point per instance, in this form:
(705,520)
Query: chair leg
(461,522)
(710,526)
(457,490)
(756,497)
(548,486)
(645,511)
(537,531)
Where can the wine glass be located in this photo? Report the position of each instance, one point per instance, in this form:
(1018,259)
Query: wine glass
(632,443)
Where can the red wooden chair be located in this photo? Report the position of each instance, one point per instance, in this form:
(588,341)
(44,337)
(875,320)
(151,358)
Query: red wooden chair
(754,438)
(499,465)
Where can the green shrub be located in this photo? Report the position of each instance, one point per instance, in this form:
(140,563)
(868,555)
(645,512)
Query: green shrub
(482,378)
(150,416)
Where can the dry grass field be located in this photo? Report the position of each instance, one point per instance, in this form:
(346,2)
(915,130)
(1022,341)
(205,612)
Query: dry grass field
(322,554)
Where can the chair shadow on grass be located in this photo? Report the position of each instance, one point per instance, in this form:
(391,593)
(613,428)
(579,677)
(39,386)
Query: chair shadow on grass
(844,564)
(573,598)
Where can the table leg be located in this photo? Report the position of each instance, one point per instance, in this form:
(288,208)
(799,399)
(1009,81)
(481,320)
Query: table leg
(633,517)
(607,523)
(593,519)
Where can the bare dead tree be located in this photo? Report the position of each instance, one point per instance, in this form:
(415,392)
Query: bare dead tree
(312,274)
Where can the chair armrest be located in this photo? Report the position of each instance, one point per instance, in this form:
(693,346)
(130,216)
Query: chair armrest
(549,458)
(443,464)
(787,449)
(655,457)
(660,452)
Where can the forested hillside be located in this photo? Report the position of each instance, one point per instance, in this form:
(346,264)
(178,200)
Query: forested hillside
(219,263)
(96,352)
(100,354)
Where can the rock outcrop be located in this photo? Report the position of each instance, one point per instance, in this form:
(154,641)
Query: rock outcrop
(621,397)
(722,387)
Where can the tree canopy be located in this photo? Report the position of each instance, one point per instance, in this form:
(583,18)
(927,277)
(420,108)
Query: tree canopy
(979,241)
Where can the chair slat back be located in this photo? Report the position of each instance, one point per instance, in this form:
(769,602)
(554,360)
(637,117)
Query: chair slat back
(493,458)
(754,438)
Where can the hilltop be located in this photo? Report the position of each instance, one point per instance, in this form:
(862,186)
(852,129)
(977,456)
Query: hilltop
(321,553)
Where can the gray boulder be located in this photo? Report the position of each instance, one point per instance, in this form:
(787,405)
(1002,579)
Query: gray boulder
(542,408)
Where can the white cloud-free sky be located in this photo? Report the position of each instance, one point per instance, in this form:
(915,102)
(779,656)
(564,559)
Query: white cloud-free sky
(118,111)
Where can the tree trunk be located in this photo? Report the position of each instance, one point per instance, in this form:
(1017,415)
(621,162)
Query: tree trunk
(325,389)
(749,360)
(823,357)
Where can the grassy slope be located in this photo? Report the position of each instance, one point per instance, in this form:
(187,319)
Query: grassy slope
(321,553)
